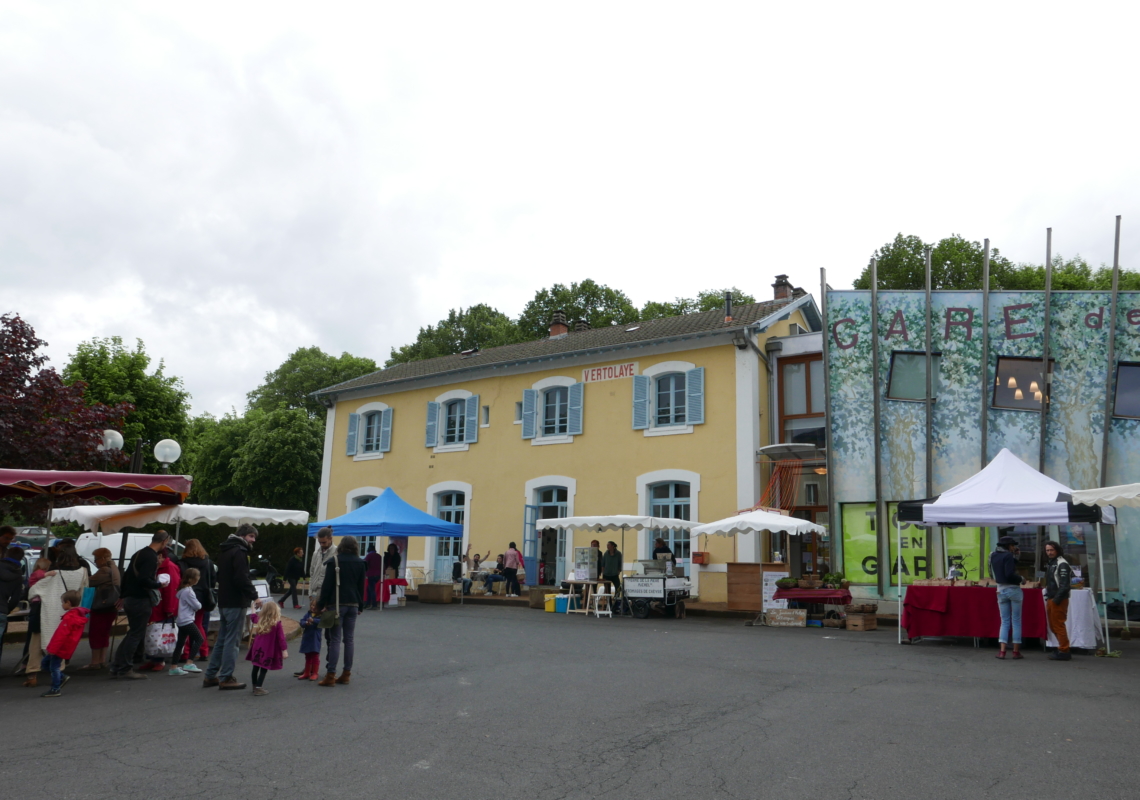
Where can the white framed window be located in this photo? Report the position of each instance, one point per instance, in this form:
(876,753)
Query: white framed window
(369,432)
(551,410)
(485,419)
(669,398)
(452,421)
(669,408)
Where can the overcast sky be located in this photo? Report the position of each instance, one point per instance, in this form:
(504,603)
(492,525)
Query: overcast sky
(231,181)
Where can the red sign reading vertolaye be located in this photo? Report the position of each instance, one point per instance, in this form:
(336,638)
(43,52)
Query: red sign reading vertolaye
(610,373)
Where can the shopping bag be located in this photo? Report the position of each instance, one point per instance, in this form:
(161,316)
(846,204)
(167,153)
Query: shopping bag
(160,639)
(88,598)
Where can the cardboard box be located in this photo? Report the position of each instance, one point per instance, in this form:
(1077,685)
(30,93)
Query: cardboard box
(862,622)
(436,592)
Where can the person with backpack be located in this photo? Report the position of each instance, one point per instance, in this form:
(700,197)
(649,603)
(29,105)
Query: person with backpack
(343,591)
(141,593)
(1058,580)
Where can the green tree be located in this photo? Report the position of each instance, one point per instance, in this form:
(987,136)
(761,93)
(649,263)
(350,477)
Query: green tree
(279,464)
(709,300)
(479,326)
(956,263)
(116,374)
(305,371)
(212,456)
(713,299)
(593,302)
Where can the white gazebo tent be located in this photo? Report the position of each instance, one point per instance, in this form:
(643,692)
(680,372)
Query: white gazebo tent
(758,521)
(1007,492)
(616,522)
(1127,494)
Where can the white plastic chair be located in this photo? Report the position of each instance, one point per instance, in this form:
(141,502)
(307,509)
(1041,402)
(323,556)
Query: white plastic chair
(600,602)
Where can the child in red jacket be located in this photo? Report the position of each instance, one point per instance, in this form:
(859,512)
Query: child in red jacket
(64,641)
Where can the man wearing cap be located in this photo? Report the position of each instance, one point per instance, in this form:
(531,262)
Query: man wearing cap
(317,566)
(1058,578)
(1003,566)
(236,593)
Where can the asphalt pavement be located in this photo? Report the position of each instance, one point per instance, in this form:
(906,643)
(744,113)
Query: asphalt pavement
(497,703)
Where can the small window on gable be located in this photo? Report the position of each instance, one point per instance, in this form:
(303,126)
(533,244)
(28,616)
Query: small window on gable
(485,418)
(670,409)
(795,329)
(1020,383)
(455,417)
(1127,390)
(907,379)
(518,411)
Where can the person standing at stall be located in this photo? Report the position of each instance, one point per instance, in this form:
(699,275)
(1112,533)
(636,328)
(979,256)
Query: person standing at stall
(660,547)
(1003,566)
(139,584)
(512,563)
(373,573)
(612,565)
(1058,579)
(108,585)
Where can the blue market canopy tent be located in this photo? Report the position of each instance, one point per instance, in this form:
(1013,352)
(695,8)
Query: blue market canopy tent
(387,515)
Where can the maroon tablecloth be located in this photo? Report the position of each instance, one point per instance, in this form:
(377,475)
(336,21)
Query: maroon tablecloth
(969,611)
(836,596)
(386,588)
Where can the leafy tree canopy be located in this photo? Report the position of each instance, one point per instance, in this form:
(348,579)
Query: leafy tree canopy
(44,422)
(709,300)
(956,263)
(479,326)
(593,302)
(114,374)
(279,465)
(302,373)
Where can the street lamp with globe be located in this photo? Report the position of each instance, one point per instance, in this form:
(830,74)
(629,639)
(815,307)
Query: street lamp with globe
(166,453)
(112,440)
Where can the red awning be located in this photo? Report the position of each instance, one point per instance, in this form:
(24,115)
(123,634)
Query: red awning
(165,489)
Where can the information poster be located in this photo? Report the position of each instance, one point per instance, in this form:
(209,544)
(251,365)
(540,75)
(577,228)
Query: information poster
(770,587)
(860,551)
(914,563)
(964,550)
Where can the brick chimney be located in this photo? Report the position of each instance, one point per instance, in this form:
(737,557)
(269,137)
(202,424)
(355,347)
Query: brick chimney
(581,325)
(558,326)
(782,288)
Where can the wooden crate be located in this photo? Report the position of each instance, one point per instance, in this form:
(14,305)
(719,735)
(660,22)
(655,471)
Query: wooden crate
(862,622)
(744,586)
(435,592)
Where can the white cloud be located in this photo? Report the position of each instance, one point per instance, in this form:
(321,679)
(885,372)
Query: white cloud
(229,183)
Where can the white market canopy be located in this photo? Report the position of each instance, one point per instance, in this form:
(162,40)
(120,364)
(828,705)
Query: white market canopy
(758,521)
(616,522)
(113,519)
(1125,495)
(1007,492)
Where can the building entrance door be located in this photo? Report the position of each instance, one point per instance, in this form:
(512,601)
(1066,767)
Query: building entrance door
(552,504)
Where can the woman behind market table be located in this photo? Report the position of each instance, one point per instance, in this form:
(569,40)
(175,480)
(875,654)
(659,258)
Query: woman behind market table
(349,596)
(66,575)
(194,557)
(107,583)
(1003,566)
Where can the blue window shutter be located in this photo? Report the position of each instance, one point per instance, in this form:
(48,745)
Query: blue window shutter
(641,387)
(530,408)
(695,396)
(386,430)
(353,427)
(575,423)
(471,427)
(432,438)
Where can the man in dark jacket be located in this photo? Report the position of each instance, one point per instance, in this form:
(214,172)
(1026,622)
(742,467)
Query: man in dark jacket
(343,586)
(235,594)
(11,586)
(1058,577)
(137,591)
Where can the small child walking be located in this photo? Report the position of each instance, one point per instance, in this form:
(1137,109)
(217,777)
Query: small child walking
(64,641)
(188,606)
(268,650)
(311,643)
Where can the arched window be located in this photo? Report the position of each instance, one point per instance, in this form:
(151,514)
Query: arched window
(671,500)
(372,432)
(455,414)
(556,411)
(671,399)
(358,502)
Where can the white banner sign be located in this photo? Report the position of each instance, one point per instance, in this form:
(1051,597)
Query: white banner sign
(610,373)
(770,587)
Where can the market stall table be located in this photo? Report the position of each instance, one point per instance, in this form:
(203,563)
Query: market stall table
(839,597)
(587,593)
(967,611)
(386,588)
(1082,623)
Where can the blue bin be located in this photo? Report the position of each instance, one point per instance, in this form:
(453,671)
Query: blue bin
(560,603)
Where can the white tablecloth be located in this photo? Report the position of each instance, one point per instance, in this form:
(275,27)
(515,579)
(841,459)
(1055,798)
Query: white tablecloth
(1083,623)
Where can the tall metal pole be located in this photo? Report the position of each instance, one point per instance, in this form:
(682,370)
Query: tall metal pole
(832,507)
(1045,387)
(1109,377)
(987,384)
(929,420)
(882,535)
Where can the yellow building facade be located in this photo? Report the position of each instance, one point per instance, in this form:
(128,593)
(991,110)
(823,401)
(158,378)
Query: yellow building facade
(661,417)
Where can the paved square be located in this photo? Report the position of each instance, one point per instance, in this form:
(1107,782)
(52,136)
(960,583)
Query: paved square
(484,702)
